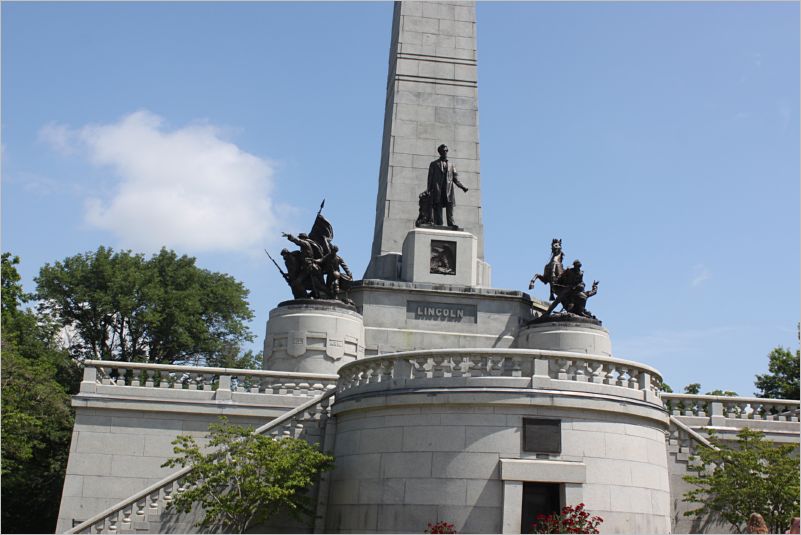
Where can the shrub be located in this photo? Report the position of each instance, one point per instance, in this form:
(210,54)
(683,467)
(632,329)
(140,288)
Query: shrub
(441,527)
(569,520)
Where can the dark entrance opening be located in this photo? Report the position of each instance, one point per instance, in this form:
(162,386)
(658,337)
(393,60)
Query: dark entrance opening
(538,498)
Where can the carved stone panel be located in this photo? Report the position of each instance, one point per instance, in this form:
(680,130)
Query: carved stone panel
(443,257)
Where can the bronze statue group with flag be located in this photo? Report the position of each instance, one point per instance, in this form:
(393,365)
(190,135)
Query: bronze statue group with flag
(315,270)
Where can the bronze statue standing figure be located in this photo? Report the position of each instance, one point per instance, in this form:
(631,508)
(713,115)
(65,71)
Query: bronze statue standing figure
(442,177)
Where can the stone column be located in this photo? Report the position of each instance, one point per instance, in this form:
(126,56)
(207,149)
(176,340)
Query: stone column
(432,98)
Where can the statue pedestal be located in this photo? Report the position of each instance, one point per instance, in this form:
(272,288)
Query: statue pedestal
(440,256)
(580,336)
(313,336)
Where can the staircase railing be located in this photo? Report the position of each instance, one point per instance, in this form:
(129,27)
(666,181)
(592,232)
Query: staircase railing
(149,500)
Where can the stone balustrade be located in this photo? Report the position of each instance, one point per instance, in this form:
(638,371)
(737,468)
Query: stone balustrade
(148,379)
(510,368)
(721,408)
(145,510)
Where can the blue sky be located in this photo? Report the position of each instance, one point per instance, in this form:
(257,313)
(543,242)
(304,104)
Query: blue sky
(660,141)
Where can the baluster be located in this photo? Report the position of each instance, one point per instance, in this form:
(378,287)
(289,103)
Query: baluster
(121,376)
(178,382)
(298,430)
(474,366)
(622,373)
(153,502)
(99,526)
(595,369)
(609,373)
(168,490)
(105,377)
(563,366)
(677,407)
(127,511)
(290,389)
(688,407)
(135,375)
(729,410)
(386,371)
(141,505)
(437,370)
(113,522)
(580,371)
(253,384)
(456,366)
(271,385)
(191,381)
(149,381)
(634,379)
(163,379)
(517,367)
(418,367)
(759,411)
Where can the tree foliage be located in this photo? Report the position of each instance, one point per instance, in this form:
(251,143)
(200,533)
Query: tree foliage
(781,381)
(122,306)
(37,378)
(245,478)
(756,476)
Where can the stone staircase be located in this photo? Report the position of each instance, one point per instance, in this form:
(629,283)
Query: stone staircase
(148,511)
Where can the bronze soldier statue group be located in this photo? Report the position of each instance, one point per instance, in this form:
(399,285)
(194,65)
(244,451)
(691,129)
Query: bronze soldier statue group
(566,285)
(315,270)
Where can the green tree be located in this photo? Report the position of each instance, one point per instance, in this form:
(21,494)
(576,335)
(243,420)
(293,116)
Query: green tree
(693,388)
(122,306)
(244,478)
(756,476)
(781,381)
(36,380)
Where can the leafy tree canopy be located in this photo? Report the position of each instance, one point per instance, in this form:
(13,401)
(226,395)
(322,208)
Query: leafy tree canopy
(781,381)
(37,378)
(756,476)
(695,388)
(122,306)
(245,478)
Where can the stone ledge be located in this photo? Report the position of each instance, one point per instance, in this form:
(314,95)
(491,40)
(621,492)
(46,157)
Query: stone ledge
(541,470)
(429,287)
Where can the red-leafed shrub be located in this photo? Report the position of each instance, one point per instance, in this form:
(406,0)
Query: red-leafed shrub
(441,527)
(569,520)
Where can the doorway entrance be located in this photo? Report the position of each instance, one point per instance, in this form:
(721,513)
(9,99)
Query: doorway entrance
(538,499)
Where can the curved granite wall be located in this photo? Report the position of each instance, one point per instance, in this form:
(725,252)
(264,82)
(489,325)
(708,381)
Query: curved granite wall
(421,439)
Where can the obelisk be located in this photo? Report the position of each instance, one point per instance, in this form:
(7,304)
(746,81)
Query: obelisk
(432,98)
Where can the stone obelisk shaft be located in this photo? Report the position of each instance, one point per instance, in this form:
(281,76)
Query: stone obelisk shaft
(432,98)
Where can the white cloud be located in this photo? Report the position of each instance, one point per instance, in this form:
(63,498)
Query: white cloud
(57,136)
(700,275)
(185,188)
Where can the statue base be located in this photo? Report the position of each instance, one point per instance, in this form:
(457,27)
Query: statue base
(442,256)
(563,317)
(560,333)
(318,303)
(440,227)
(313,336)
